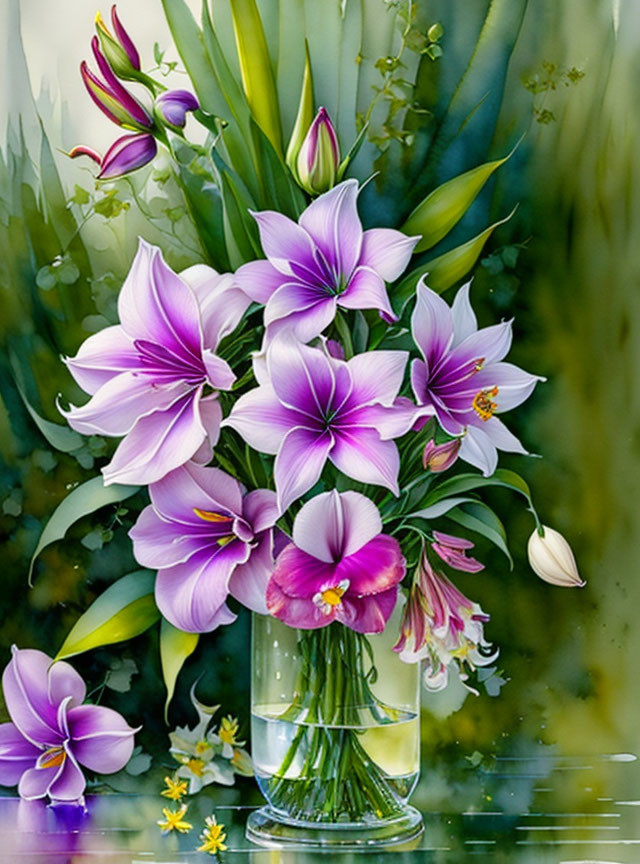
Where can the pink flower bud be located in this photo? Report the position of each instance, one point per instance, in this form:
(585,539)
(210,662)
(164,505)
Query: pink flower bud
(440,457)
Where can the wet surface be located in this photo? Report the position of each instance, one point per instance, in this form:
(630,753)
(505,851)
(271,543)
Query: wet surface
(604,829)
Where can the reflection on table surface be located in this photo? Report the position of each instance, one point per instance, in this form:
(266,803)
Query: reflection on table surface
(598,825)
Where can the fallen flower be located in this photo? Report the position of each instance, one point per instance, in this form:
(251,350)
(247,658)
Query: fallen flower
(175,788)
(213,837)
(174,820)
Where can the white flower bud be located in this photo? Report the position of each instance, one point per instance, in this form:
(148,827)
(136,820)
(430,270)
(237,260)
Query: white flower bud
(551,558)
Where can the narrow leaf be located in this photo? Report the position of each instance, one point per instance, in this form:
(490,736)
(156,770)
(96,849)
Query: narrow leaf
(304,117)
(85,499)
(443,208)
(126,609)
(467,482)
(175,646)
(481,519)
(255,67)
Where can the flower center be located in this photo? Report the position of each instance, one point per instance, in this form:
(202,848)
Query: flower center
(52,758)
(331,597)
(483,403)
(216,519)
(196,766)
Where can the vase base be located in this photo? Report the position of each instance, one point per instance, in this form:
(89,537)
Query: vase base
(266,828)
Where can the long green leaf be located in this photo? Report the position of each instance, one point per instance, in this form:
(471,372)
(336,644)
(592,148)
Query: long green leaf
(61,437)
(126,609)
(175,646)
(479,517)
(443,208)
(85,499)
(468,482)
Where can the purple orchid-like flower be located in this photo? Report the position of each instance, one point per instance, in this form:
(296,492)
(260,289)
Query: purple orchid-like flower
(323,262)
(453,551)
(147,375)
(207,539)
(462,376)
(340,567)
(311,407)
(442,626)
(173,106)
(52,733)
(126,154)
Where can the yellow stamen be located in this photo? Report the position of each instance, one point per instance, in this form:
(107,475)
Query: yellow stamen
(174,820)
(483,404)
(196,766)
(99,21)
(202,747)
(56,756)
(175,788)
(332,596)
(222,541)
(211,516)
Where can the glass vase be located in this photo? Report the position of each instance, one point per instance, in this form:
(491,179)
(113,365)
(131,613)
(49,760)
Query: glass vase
(335,737)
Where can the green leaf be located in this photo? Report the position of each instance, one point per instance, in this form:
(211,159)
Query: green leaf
(256,70)
(443,208)
(175,646)
(61,437)
(479,517)
(126,609)
(279,190)
(85,499)
(467,482)
(445,270)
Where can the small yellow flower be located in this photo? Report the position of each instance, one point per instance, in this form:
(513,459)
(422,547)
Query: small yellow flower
(174,820)
(175,788)
(212,837)
(228,730)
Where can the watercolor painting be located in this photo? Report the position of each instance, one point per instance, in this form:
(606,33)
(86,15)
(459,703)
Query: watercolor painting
(318,431)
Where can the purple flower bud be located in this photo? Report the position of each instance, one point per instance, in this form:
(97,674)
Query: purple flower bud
(119,50)
(173,105)
(440,457)
(111,97)
(319,156)
(126,154)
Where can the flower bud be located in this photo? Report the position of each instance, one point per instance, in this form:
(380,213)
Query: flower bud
(440,457)
(319,156)
(551,558)
(119,50)
(172,107)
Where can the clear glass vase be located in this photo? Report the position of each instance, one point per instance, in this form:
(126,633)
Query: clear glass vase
(335,737)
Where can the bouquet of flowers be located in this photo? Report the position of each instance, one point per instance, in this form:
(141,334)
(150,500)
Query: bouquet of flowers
(301,406)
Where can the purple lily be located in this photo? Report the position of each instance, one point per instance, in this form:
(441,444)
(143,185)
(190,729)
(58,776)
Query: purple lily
(452,550)
(312,407)
(146,375)
(52,733)
(340,567)
(173,106)
(126,154)
(462,377)
(207,539)
(324,262)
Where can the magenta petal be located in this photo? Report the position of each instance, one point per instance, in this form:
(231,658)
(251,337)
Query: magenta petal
(261,419)
(25,686)
(222,305)
(332,525)
(298,612)
(101,738)
(332,221)
(300,574)
(120,402)
(366,290)
(191,486)
(70,783)
(367,614)
(35,782)
(124,39)
(258,280)
(191,594)
(377,377)
(387,251)
(299,463)
(65,682)
(260,509)
(302,377)
(248,583)
(378,565)
(431,325)
(283,241)
(16,754)
(128,153)
(362,455)
(157,444)
(103,356)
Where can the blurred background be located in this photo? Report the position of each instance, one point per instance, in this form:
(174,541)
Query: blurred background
(567,266)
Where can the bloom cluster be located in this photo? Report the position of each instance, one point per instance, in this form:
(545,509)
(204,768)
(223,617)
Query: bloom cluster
(155,380)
